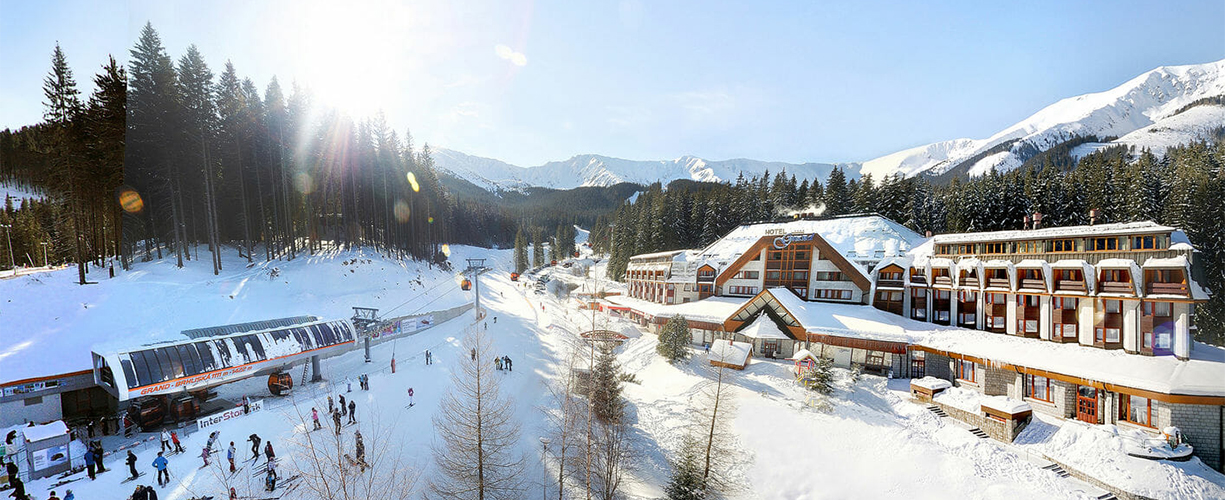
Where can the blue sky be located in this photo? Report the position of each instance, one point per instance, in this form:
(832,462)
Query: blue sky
(529,82)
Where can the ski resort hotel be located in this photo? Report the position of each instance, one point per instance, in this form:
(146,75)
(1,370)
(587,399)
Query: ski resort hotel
(1093,323)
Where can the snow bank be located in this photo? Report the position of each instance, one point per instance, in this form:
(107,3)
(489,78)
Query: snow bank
(1005,404)
(957,397)
(45,431)
(932,383)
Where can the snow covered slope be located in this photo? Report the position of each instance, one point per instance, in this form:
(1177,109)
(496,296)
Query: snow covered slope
(1141,104)
(596,170)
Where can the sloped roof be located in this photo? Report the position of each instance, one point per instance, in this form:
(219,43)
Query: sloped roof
(849,236)
(764,328)
(1126,228)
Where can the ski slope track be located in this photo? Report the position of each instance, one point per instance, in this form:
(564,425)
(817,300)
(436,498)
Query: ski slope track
(1136,112)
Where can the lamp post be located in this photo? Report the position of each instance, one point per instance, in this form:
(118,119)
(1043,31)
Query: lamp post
(8,232)
(45,263)
(544,488)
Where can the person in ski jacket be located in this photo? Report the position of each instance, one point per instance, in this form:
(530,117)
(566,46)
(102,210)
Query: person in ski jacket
(53,496)
(69,496)
(160,463)
(132,464)
(165,439)
(331,405)
(19,489)
(204,455)
(11,468)
(315,417)
(361,447)
(268,451)
(254,439)
(342,405)
(336,419)
(174,437)
(229,454)
(510,366)
(89,462)
(98,456)
(270,481)
(352,411)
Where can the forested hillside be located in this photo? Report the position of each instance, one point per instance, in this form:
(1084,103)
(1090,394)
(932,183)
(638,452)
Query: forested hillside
(1184,189)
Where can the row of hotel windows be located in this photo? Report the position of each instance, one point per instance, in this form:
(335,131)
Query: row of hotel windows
(1134,409)
(1100,244)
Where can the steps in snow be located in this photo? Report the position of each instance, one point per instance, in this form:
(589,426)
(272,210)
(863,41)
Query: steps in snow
(1063,473)
(937,410)
(979,432)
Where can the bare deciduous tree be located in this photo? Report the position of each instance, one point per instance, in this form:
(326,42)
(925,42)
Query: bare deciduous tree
(476,432)
(327,461)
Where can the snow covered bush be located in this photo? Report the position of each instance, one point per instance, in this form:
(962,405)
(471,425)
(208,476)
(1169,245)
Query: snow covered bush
(821,377)
(674,339)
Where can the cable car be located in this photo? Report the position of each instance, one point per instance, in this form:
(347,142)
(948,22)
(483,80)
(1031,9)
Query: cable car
(465,284)
(552,263)
(576,254)
(514,276)
(280,383)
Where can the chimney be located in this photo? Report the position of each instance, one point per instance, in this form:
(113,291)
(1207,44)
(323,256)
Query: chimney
(1037,220)
(1025,223)
(929,234)
(1093,216)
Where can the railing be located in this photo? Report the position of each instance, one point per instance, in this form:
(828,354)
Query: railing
(1069,286)
(997,282)
(918,279)
(890,283)
(1116,287)
(944,280)
(1033,284)
(1091,257)
(969,281)
(1166,288)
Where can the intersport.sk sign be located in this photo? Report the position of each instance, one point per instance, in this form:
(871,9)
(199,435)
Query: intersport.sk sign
(229,414)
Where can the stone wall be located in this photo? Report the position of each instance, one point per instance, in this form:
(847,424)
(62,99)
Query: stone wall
(938,366)
(1201,424)
(995,380)
(1005,431)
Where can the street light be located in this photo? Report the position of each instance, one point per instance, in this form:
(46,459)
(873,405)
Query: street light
(544,488)
(45,263)
(8,231)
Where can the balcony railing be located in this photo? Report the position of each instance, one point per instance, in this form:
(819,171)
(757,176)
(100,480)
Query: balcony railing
(890,283)
(969,281)
(1069,286)
(1166,289)
(918,279)
(997,282)
(1116,287)
(1033,284)
(944,280)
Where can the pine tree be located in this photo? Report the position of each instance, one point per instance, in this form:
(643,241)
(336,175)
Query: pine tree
(606,401)
(520,252)
(837,198)
(64,106)
(686,480)
(822,376)
(674,339)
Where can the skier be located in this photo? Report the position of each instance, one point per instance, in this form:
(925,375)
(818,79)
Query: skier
(497,364)
(352,411)
(233,493)
(331,405)
(19,489)
(361,450)
(486,325)
(174,438)
(349,384)
(159,463)
(70,496)
(315,417)
(343,410)
(132,464)
(165,439)
(98,456)
(11,468)
(53,496)
(204,455)
(254,439)
(410,396)
(229,454)
(246,405)
(212,438)
(268,451)
(495,320)
(510,366)
(89,462)
(270,481)
(336,419)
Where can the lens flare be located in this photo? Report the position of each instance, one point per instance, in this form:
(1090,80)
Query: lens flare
(304,183)
(446,249)
(401,211)
(430,220)
(412,180)
(130,200)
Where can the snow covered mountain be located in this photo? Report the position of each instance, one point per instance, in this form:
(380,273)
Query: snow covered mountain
(596,170)
(1141,112)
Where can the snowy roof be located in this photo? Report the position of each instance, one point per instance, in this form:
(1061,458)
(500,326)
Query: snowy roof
(713,309)
(764,328)
(1116,263)
(802,354)
(46,431)
(1144,227)
(670,253)
(728,352)
(844,320)
(1200,376)
(930,382)
(1004,404)
(853,237)
(1179,261)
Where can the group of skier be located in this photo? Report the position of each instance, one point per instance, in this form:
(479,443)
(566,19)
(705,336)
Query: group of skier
(503,363)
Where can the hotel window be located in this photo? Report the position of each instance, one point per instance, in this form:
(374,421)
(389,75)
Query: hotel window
(891,275)
(799,275)
(1144,243)
(965,370)
(1109,320)
(1065,324)
(825,293)
(875,358)
(828,276)
(1104,244)
(772,275)
(1037,387)
(742,290)
(706,273)
(1136,409)
(1063,246)
(995,248)
(748,275)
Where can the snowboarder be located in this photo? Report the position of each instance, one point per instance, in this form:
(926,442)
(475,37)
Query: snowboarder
(343,410)
(204,455)
(229,454)
(336,419)
(174,438)
(165,439)
(254,439)
(159,463)
(132,464)
(352,411)
(89,462)
(98,456)
(315,417)
(268,451)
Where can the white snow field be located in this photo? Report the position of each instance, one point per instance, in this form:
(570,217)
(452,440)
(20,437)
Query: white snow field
(870,443)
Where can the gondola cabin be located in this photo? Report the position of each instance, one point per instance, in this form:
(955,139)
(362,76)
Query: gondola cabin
(465,284)
(280,383)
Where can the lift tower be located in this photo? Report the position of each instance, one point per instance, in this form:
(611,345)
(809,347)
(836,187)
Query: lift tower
(475,268)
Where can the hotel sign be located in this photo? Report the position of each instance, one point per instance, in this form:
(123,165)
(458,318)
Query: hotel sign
(785,241)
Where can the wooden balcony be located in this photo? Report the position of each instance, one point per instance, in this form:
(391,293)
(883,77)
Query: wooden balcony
(1033,284)
(706,279)
(998,283)
(1123,287)
(890,283)
(918,279)
(1166,289)
(944,280)
(1069,286)
(969,281)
